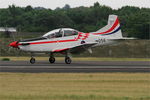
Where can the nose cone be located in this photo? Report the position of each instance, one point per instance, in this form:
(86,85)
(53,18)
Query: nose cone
(14,44)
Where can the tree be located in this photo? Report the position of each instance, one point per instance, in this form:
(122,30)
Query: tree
(66,7)
(135,21)
(28,8)
(96,4)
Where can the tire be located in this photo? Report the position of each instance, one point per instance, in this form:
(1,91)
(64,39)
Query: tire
(68,60)
(32,60)
(52,60)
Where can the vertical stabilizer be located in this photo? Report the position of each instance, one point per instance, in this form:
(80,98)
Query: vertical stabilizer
(112,29)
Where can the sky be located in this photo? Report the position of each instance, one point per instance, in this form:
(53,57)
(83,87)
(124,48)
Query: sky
(52,4)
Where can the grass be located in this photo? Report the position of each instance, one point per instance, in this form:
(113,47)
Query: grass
(74,86)
(5,59)
(79,59)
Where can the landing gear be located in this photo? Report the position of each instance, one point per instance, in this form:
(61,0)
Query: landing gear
(52,58)
(32,60)
(68,60)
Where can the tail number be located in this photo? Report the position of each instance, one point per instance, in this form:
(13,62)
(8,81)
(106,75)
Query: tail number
(101,40)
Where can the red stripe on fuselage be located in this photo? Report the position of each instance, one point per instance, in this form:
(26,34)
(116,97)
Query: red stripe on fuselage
(53,41)
(71,40)
(112,28)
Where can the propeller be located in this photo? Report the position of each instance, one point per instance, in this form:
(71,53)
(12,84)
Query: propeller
(14,44)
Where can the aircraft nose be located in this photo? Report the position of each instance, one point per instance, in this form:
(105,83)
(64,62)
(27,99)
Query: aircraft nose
(14,44)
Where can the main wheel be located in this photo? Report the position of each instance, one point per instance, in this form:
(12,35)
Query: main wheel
(52,60)
(32,60)
(68,60)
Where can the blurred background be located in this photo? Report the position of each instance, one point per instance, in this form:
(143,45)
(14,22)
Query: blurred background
(17,23)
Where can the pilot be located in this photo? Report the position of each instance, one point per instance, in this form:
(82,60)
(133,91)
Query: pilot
(59,34)
(74,32)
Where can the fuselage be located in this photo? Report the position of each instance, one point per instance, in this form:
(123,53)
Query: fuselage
(48,43)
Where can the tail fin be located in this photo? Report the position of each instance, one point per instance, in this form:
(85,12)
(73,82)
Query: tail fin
(112,29)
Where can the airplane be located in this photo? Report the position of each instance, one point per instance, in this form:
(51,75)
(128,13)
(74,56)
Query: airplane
(69,41)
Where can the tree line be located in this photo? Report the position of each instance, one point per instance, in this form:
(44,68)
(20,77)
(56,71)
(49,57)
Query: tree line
(135,22)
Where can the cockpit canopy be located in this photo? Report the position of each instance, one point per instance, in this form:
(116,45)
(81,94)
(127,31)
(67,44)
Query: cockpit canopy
(62,32)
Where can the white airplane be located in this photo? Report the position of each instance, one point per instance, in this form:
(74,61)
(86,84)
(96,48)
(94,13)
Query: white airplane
(69,41)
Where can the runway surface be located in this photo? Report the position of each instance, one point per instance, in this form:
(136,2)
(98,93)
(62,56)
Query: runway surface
(76,66)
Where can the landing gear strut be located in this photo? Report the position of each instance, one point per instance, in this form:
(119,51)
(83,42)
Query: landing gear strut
(52,58)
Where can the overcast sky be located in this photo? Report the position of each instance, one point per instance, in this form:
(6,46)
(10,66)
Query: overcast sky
(74,3)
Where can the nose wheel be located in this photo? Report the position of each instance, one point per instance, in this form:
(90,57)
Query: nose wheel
(32,60)
(68,60)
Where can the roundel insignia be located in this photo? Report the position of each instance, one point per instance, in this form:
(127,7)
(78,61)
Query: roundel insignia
(82,42)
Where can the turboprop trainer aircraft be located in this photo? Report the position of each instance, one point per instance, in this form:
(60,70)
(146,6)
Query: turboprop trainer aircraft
(69,41)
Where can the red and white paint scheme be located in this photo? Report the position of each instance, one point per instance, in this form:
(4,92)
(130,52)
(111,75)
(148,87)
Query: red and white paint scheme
(67,40)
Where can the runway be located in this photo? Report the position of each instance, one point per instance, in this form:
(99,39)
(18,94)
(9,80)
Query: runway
(76,66)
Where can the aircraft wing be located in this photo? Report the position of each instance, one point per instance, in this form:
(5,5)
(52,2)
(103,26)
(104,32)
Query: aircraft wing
(77,49)
(123,39)
(81,48)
